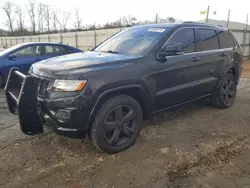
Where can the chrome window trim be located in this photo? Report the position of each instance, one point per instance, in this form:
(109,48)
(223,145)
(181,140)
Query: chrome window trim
(195,27)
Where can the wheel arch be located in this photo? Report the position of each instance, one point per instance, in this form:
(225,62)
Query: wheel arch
(135,91)
(235,71)
(230,69)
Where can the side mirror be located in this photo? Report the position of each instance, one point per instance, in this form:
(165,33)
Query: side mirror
(171,49)
(11,57)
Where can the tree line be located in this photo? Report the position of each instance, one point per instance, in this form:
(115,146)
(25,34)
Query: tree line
(44,19)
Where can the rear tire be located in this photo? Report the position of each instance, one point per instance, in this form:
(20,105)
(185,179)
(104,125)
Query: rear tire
(1,81)
(226,93)
(117,124)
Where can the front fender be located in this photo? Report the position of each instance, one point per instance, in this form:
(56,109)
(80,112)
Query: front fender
(109,89)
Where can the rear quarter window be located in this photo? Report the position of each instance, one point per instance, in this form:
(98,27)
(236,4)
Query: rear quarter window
(225,39)
(208,41)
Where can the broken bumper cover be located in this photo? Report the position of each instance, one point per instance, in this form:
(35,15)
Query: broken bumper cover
(33,112)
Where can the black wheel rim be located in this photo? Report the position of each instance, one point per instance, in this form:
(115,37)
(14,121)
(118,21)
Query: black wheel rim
(228,91)
(120,125)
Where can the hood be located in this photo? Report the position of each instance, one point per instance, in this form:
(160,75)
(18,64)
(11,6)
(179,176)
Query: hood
(77,63)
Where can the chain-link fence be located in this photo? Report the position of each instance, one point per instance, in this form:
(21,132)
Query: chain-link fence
(84,40)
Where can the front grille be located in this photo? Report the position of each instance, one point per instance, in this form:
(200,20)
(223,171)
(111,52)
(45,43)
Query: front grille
(41,86)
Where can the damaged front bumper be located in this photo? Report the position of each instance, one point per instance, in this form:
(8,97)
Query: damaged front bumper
(65,116)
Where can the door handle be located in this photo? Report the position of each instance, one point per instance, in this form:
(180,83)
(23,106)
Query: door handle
(197,59)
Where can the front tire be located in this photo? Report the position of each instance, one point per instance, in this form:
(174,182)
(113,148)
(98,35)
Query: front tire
(117,124)
(226,93)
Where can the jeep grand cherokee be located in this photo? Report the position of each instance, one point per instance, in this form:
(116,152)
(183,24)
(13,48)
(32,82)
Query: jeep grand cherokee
(107,92)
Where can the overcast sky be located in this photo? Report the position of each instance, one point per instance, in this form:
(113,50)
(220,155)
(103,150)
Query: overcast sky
(102,11)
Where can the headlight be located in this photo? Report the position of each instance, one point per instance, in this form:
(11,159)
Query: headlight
(69,85)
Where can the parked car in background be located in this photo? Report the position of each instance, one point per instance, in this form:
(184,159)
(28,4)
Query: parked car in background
(24,55)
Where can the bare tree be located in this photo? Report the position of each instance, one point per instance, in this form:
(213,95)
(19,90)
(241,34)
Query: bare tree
(78,20)
(20,19)
(31,10)
(64,20)
(130,20)
(47,17)
(125,21)
(171,19)
(40,11)
(8,8)
(66,17)
(55,14)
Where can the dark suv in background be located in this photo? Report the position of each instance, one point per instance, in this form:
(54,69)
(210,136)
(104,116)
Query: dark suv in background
(107,92)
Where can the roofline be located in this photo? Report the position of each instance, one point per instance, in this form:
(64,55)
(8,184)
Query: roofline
(192,24)
(42,43)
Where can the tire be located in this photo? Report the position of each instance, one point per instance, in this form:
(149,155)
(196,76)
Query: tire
(1,81)
(106,127)
(226,93)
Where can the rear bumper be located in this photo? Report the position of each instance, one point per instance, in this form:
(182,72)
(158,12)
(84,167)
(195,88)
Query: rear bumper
(66,116)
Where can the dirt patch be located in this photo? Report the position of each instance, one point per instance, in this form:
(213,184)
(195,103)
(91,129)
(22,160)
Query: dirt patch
(223,153)
(246,69)
(192,146)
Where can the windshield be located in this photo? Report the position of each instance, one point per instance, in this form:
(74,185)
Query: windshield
(134,41)
(10,49)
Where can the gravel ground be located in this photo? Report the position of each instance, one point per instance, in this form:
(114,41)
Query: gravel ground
(195,145)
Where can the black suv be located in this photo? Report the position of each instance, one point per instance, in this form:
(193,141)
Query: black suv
(107,92)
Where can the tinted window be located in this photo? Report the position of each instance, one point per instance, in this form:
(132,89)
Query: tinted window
(186,38)
(209,40)
(133,41)
(30,51)
(55,50)
(225,39)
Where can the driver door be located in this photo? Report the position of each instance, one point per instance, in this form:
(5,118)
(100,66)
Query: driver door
(179,77)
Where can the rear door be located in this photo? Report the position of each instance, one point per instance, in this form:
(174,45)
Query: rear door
(212,57)
(227,46)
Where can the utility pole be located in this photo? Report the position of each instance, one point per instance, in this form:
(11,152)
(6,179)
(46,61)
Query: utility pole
(228,18)
(247,21)
(207,13)
(245,36)
(156,18)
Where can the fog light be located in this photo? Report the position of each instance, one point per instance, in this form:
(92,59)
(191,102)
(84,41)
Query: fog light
(61,114)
